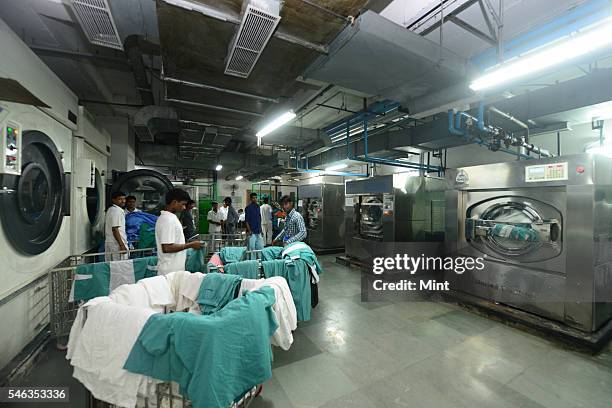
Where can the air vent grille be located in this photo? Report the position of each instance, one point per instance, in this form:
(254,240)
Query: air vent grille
(255,30)
(97,22)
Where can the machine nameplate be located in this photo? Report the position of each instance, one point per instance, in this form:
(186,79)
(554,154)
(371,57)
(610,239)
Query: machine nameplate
(546,172)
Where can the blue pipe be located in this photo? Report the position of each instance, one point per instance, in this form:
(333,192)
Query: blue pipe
(456,130)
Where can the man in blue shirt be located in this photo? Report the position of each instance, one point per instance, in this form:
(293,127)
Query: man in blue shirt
(253,224)
(295,228)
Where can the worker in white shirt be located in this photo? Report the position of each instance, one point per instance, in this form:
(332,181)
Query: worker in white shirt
(114,229)
(215,221)
(223,211)
(169,237)
(266,221)
(130,205)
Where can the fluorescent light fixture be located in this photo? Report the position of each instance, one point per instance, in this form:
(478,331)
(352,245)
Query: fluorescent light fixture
(337,167)
(238,178)
(219,167)
(276,123)
(565,50)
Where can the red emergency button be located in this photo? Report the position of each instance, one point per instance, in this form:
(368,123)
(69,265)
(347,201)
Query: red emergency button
(580,169)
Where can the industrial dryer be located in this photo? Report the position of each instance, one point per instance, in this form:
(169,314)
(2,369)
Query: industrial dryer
(322,206)
(38,114)
(544,228)
(90,151)
(403,207)
(148,186)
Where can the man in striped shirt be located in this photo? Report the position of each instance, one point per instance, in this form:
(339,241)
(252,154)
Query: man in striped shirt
(295,228)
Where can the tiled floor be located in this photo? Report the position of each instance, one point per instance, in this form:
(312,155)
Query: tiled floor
(409,354)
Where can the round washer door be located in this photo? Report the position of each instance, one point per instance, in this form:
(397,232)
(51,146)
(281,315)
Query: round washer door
(148,186)
(32,215)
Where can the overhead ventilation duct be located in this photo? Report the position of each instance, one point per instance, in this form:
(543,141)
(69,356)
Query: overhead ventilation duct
(152,120)
(259,20)
(97,22)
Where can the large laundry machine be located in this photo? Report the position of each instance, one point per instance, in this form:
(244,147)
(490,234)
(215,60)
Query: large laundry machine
(90,153)
(38,114)
(322,206)
(148,186)
(392,209)
(544,229)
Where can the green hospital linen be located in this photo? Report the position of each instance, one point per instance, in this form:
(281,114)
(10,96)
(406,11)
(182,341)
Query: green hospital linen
(297,275)
(271,253)
(231,254)
(100,272)
(245,269)
(195,260)
(216,291)
(146,236)
(216,358)
(304,252)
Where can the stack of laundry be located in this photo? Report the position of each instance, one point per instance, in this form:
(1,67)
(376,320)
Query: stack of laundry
(123,344)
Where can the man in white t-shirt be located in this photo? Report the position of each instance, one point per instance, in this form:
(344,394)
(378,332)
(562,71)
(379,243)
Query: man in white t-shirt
(115,239)
(215,219)
(169,236)
(266,221)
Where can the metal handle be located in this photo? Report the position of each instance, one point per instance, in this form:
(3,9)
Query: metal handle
(7,191)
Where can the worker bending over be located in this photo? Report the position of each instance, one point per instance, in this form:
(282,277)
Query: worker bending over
(115,239)
(295,229)
(169,237)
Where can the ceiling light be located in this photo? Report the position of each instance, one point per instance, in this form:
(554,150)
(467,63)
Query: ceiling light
(276,123)
(238,178)
(563,51)
(337,167)
(219,167)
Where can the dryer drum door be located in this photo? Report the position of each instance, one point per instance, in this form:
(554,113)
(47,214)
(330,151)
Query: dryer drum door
(371,218)
(515,228)
(32,216)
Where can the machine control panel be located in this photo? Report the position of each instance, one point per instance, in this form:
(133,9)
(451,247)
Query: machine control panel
(546,172)
(11,147)
(388,205)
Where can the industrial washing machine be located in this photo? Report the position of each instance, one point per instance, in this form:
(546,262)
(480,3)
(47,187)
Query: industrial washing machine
(392,209)
(90,153)
(38,114)
(148,186)
(322,206)
(544,228)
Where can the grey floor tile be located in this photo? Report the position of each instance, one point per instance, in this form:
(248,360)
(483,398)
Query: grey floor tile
(465,322)
(434,333)
(273,396)
(314,381)
(438,381)
(565,379)
(301,349)
(357,399)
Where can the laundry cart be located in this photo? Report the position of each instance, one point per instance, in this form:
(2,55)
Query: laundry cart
(214,242)
(63,308)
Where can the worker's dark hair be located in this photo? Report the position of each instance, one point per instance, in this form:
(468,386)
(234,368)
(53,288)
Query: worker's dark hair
(190,201)
(253,195)
(131,197)
(287,199)
(177,194)
(117,194)
(214,203)
(265,200)
(228,200)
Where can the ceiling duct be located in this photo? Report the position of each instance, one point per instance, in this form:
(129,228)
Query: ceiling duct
(259,20)
(97,22)
(152,120)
